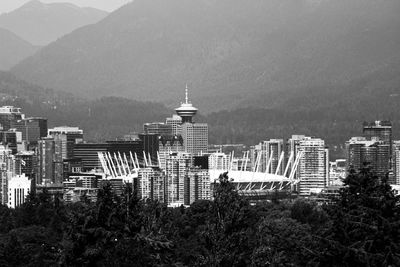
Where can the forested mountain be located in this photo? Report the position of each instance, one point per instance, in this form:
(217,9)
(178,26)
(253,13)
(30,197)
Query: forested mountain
(334,113)
(102,119)
(233,53)
(41,23)
(13,49)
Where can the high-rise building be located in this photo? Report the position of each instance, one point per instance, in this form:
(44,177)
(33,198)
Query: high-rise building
(32,129)
(197,186)
(19,187)
(169,144)
(268,154)
(175,122)
(26,161)
(378,129)
(195,135)
(396,163)
(7,170)
(159,128)
(313,166)
(12,139)
(150,145)
(151,184)
(292,150)
(69,136)
(50,162)
(374,153)
(176,172)
(9,115)
(218,161)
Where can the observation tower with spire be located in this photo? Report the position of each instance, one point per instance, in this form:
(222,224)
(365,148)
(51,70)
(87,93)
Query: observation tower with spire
(186,111)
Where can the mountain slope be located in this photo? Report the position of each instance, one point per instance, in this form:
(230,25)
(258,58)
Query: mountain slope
(102,119)
(40,23)
(227,50)
(13,49)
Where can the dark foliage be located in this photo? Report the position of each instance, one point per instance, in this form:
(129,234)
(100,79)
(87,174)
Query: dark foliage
(360,229)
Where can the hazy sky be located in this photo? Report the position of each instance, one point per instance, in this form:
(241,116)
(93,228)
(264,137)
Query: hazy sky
(108,5)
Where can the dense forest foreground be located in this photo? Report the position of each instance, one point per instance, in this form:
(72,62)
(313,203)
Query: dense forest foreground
(360,228)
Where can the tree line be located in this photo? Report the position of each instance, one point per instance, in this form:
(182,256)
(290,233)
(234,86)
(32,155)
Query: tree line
(360,228)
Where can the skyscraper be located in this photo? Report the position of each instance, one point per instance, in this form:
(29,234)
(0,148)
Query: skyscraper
(176,172)
(379,129)
(313,166)
(69,136)
(32,129)
(195,135)
(374,153)
(270,155)
(9,115)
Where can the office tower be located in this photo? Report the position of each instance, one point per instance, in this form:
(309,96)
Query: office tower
(176,171)
(292,149)
(159,128)
(7,170)
(195,135)
(379,129)
(268,154)
(197,186)
(373,153)
(26,163)
(12,139)
(32,129)
(19,187)
(396,163)
(150,145)
(168,144)
(151,184)
(69,136)
(50,162)
(9,115)
(175,122)
(313,166)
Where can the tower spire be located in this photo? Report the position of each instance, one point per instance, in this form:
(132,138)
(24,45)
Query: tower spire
(186,94)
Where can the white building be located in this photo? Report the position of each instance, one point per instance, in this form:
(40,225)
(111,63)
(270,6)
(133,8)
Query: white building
(176,170)
(19,187)
(151,184)
(313,166)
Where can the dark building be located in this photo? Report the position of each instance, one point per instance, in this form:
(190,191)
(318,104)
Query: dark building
(88,152)
(72,166)
(32,129)
(70,136)
(380,129)
(159,128)
(50,162)
(26,160)
(10,139)
(201,162)
(9,115)
(150,144)
(372,153)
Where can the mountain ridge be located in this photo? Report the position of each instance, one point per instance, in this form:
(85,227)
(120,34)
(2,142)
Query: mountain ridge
(41,24)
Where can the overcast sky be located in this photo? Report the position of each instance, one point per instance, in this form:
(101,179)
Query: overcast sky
(108,5)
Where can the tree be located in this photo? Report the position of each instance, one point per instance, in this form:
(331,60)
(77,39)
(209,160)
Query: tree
(365,223)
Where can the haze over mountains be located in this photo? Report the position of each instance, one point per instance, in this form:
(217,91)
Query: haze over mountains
(40,23)
(13,49)
(233,53)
